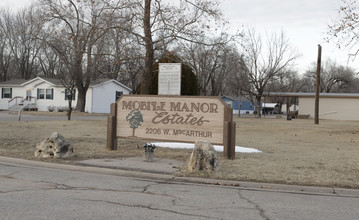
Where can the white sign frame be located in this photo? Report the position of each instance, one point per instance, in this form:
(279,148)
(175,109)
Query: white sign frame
(169,78)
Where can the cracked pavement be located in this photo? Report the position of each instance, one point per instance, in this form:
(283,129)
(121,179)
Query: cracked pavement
(32,192)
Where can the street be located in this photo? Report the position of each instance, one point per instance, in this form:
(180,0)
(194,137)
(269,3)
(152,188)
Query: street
(76,192)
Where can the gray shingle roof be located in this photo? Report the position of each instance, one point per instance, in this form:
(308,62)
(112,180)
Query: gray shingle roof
(13,82)
(56,82)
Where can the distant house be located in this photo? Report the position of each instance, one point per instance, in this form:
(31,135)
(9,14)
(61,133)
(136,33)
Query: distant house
(337,106)
(45,93)
(270,108)
(246,106)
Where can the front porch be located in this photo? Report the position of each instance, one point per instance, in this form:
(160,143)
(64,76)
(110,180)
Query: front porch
(19,103)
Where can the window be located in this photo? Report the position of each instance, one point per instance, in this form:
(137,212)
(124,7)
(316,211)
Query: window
(40,93)
(6,93)
(118,95)
(49,93)
(67,94)
(45,93)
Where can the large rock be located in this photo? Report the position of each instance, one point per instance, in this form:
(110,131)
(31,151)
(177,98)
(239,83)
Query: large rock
(54,146)
(203,157)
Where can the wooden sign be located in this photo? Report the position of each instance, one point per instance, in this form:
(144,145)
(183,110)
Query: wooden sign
(172,118)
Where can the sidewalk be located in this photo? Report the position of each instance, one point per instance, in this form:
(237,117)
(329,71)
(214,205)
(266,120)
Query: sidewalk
(160,166)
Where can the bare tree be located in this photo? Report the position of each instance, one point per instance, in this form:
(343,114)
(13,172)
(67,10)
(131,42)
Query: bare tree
(213,61)
(160,22)
(18,31)
(122,58)
(79,26)
(49,62)
(345,30)
(5,55)
(261,62)
(334,78)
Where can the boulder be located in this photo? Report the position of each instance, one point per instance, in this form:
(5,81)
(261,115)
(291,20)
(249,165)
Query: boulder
(203,157)
(54,146)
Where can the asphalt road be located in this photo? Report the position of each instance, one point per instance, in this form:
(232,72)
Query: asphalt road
(5,116)
(32,191)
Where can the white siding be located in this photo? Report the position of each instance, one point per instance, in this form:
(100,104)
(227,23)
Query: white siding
(42,104)
(58,100)
(16,91)
(88,106)
(105,94)
(98,97)
(331,108)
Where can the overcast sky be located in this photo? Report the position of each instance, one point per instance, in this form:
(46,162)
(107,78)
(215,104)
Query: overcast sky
(304,21)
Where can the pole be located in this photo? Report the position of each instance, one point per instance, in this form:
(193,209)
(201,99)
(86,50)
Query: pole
(317,86)
(239,106)
(112,128)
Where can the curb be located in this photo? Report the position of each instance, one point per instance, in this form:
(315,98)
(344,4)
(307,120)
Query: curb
(254,186)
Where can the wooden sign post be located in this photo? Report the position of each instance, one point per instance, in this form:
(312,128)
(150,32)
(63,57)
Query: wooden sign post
(174,118)
(111,128)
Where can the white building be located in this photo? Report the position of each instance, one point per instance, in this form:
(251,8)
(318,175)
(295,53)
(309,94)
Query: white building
(45,93)
(336,106)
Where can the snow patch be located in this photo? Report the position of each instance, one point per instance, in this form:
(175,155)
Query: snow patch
(217,147)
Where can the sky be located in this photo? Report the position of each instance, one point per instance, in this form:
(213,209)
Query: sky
(305,22)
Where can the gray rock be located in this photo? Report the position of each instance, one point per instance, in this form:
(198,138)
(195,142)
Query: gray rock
(54,146)
(203,157)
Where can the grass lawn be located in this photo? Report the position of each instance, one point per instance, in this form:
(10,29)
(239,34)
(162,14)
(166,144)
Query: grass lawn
(294,152)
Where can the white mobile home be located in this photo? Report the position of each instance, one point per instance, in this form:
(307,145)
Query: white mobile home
(336,106)
(43,94)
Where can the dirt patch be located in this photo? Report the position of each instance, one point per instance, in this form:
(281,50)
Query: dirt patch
(294,152)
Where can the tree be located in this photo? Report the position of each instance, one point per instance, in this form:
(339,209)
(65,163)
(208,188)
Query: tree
(261,63)
(73,30)
(160,23)
(189,84)
(344,31)
(213,61)
(18,31)
(333,78)
(50,62)
(5,56)
(122,58)
(134,118)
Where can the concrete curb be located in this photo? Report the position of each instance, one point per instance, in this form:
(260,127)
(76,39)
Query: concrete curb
(293,189)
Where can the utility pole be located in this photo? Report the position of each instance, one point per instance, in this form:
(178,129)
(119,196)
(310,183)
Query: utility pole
(317,86)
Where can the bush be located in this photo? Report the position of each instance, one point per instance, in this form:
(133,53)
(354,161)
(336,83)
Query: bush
(62,109)
(51,108)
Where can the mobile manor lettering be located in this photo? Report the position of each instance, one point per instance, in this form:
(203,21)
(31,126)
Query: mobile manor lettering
(174,106)
(172,118)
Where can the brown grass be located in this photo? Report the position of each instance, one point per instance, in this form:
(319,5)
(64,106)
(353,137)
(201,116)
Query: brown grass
(294,152)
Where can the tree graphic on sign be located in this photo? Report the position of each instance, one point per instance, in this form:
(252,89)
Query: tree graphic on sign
(134,118)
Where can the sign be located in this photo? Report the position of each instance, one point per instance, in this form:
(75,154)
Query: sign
(169,79)
(169,118)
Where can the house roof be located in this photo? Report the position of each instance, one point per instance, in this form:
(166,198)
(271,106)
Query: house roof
(56,82)
(269,105)
(228,97)
(99,82)
(13,82)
